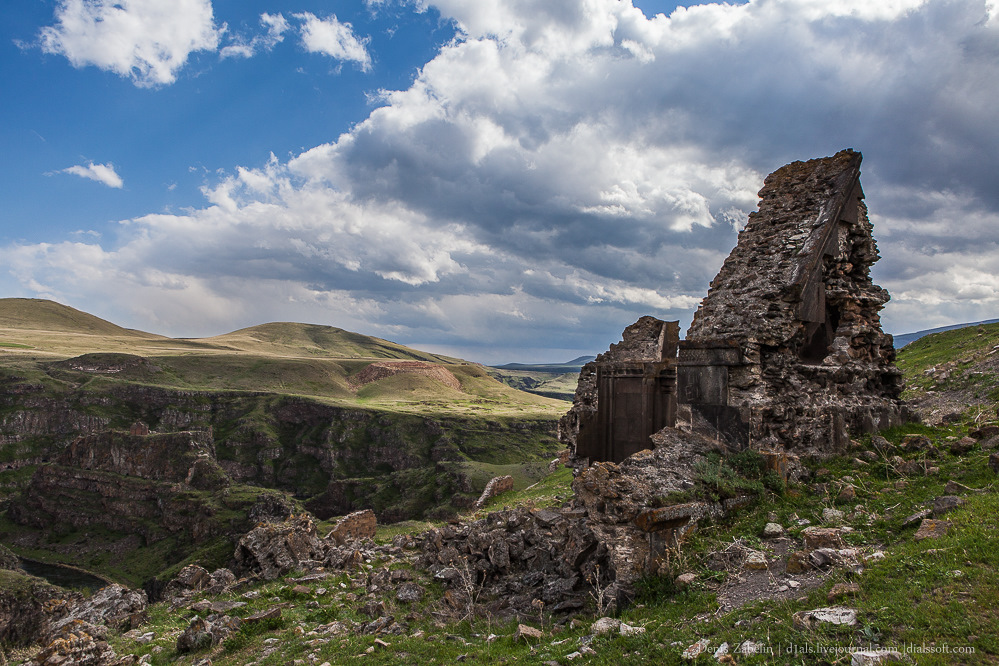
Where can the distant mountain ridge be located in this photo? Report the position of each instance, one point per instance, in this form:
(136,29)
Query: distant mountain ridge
(906,338)
(575,365)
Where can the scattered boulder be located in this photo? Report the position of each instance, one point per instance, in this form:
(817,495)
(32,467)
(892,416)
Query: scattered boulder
(985,432)
(945,504)
(525,631)
(838,615)
(354,526)
(685,580)
(906,467)
(847,494)
(962,446)
(409,593)
(822,558)
(932,529)
(772,531)
(271,613)
(222,580)
(190,579)
(834,516)
(842,590)
(917,517)
(914,443)
(271,550)
(882,445)
(204,633)
(798,562)
(605,625)
(822,537)
(755,561)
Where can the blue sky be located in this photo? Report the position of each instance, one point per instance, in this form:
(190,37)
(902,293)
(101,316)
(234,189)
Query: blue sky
(515,180)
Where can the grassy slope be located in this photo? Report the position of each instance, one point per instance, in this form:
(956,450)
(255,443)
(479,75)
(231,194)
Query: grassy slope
(933,594)
(968,356)
(288,358)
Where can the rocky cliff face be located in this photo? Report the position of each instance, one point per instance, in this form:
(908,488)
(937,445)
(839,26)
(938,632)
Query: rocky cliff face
(27,604)
(289,443)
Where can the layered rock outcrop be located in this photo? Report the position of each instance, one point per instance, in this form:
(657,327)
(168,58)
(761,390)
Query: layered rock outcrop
(346,455)
(127,483)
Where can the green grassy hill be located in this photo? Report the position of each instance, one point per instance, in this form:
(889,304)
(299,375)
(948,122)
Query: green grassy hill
(33,314)
(317,341)
(292,407)
(282,357)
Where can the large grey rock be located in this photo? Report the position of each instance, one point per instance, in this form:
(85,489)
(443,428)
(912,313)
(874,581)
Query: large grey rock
(271,550)
(115,607)
(204,633)
(190,579)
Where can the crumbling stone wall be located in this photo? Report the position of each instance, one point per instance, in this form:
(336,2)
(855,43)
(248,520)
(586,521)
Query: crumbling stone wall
(625,395)
(786,352)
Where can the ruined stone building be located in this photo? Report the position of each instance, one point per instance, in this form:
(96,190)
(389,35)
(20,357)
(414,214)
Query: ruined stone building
(785,353)
(626,394)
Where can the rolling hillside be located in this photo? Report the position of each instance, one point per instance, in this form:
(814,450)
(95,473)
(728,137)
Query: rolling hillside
(33,314)
(284,357)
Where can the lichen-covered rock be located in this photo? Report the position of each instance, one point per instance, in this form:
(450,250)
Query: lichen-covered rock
(271,550)
(204,633)
(932,529)
(28,605)
(114,606)
(190,579)
(77,643)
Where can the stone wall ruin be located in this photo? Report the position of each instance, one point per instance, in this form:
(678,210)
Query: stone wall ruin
(626,394)
(785,353)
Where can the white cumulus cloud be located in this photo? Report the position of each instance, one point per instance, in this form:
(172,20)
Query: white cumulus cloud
(148,41)
(242,47)
(562,168)
(335,39)
(102,173)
